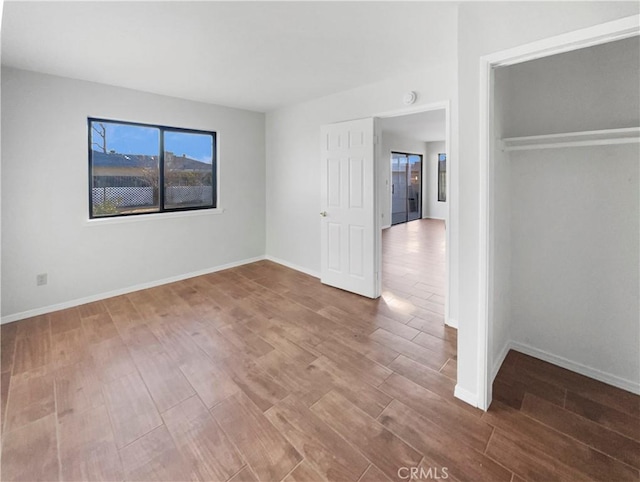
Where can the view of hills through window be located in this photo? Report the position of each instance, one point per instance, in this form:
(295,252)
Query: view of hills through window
(131,172)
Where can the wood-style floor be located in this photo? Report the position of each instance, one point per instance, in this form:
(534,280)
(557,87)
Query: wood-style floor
(262,373)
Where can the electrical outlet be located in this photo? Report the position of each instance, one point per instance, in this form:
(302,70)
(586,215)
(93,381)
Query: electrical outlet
(41,279)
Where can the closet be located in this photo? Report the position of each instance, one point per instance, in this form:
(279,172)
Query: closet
(566,211)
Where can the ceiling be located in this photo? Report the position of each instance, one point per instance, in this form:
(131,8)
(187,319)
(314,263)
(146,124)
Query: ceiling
(423,126)
(253,55)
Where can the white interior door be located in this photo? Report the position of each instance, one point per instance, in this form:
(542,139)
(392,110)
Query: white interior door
(349,228)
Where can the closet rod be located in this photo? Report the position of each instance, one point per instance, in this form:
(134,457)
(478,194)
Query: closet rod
(627,135)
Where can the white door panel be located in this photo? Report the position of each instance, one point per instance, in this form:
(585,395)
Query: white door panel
(349,228)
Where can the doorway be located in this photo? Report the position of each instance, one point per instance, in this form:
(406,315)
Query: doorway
(406,187)
(415,255)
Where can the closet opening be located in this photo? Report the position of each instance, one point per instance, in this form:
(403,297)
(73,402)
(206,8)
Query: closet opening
(562,128)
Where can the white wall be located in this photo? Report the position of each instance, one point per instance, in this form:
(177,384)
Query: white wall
(484,28)
(583,90)
(293,162)
(394,143)
(432,208)
(572,214)
(44,194)
(575,230)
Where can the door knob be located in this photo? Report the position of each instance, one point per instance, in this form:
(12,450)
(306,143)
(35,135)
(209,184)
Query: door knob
(323,214)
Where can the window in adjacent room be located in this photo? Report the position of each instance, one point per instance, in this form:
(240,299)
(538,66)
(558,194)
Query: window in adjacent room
(141,169)
(442,177)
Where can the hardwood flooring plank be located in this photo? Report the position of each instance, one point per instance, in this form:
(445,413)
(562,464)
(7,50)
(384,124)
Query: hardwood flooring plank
(7,346)
(246,340)
(450,369)
(440,449)
(277,337)
(30,398)
(366,397)
(427,304)
(118,304)
(257,384)
(111,359)
(166,383)
(210,381)
(269,454)
(35,327)
(296,333)
(606,441)
(99,327)
(591,463)
(434,326)
(467,427)
(68,347)
(522,382)
(87,447)
(374,474)
(32,352)
(30,453)
(434,343)
(365,433)
(141,342)
(131,409)
(586,387)
(245,475)
(367,370)
(77,388)
(126,321)
(368,347)
(325,452)
(92,309)
(307,383)
(201,441)
(5,381)
(155,457)
(606,416)
(528,461)
(431,380)
(304,473)
(508,394)
(416,352)
(175,340)
(210,340)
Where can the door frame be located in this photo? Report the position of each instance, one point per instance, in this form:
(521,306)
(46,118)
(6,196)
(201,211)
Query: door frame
(452,173)
(599,34)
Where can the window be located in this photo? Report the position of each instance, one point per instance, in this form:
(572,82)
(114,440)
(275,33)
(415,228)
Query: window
(442,177)
(141,169)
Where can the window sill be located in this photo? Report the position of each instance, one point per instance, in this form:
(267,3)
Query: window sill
(153,217)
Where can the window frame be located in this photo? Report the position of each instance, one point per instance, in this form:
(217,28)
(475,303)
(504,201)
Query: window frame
(161,168)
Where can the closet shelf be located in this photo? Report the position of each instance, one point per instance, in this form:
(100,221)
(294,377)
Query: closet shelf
(604,137)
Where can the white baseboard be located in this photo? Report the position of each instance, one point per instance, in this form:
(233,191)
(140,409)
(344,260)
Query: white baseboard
(465,395)
(608,378)
(452,322)
(109,294)
(310,272)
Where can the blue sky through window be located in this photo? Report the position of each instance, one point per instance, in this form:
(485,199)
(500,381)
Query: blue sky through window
(131,139)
